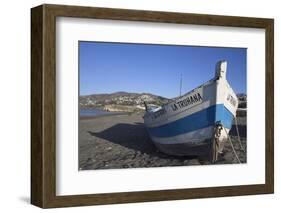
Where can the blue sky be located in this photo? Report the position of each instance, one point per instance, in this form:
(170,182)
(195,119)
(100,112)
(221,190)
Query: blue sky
(112,67)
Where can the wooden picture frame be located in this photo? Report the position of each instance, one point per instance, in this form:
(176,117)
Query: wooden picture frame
(43,105)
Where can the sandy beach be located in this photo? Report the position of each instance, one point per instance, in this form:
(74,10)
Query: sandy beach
(121,141)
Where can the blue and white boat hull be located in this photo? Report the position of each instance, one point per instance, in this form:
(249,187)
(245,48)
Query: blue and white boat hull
(185,126)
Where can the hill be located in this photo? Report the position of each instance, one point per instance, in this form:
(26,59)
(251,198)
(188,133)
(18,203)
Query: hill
(120,101)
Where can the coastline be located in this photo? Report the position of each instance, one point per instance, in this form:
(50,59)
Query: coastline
(89,117)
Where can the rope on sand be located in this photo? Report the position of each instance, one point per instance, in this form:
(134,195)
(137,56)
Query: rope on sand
(229,139)
(238,135)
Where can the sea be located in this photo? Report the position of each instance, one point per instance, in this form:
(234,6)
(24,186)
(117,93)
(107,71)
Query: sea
(93,112)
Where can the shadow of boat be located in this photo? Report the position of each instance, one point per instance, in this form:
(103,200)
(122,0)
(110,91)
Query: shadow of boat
(134,137)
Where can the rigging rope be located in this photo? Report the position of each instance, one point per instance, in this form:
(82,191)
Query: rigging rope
(238,135)
(216,142)
(229,139)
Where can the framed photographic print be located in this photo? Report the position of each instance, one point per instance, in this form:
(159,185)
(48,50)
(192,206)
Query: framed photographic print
(136,106)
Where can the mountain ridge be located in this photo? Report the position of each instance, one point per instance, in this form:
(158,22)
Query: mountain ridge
(120,101)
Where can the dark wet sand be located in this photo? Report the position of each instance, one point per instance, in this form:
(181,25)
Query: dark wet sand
(121,141)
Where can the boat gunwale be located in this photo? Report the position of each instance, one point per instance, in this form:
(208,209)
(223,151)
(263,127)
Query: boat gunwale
(175,99)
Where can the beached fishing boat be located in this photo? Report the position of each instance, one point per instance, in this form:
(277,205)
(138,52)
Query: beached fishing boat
(187,124)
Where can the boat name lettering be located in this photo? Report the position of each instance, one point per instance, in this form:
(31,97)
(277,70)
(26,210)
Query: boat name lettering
(231,99)
(190,100)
